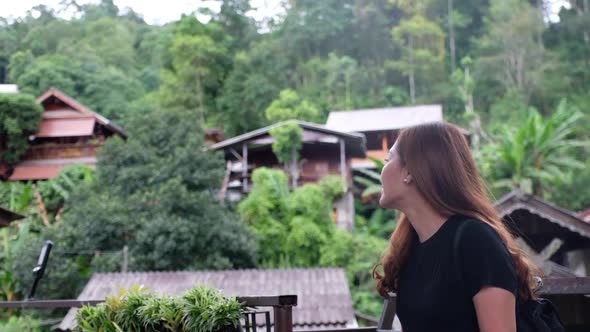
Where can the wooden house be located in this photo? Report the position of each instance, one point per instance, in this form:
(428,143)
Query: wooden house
(554,234)
(381,126)
(325,151)
(69,133)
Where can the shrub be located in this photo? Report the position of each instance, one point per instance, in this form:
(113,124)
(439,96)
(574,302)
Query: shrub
(200,309)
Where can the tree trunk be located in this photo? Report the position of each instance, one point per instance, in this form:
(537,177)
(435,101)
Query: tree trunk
(200,108)
(411,74)
(451,35)
(294,171)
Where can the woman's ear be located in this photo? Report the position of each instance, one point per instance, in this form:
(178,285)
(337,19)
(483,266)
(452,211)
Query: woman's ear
(408,179)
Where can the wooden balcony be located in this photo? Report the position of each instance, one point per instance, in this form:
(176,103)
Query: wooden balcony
(61,151)
(570,295)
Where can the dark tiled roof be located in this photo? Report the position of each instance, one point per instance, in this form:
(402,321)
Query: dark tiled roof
(7,216)
(517,200)
(323,295)
(355,142)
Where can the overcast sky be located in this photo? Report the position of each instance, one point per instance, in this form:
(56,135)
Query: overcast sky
(153,11)
(163,11)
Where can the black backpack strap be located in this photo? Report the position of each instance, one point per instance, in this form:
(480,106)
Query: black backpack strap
(456,254)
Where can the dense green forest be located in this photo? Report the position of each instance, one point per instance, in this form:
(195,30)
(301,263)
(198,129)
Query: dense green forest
(517,80)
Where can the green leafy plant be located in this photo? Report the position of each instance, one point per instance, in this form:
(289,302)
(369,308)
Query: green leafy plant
(199,309)
(206,310)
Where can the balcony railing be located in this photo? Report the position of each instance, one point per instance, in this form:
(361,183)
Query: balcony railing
(282,308)
(58,151)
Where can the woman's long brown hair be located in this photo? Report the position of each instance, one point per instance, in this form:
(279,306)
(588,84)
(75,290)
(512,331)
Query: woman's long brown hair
(444,172)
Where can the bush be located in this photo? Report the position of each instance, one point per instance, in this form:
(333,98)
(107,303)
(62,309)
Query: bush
(199,309)
(21,324)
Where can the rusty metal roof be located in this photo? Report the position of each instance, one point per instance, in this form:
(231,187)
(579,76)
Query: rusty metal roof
(324,299)
(45,168)
(22,173)
(76,105)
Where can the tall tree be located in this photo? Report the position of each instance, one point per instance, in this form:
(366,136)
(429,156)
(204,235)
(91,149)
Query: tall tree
(511,52)
(20,116)
(422,44)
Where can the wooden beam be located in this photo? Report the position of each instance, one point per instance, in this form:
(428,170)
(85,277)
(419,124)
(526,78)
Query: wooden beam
(245,167)
(566,286)
(385,143)
(343,164)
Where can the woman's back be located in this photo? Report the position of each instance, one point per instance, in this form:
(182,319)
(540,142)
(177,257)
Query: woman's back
(435,294)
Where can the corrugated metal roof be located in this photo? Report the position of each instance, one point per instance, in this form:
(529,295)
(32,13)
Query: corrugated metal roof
(66,127)
(22,173)
(354,142)
(8,88)
(323,295)
(389,118)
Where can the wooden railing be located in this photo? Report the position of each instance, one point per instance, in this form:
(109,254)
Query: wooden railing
(56,151)
(282,307)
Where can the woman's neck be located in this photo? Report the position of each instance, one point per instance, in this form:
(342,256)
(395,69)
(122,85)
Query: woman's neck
(424,219)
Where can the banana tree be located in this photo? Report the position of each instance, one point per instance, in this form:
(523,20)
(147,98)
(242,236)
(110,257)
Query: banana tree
(539,154)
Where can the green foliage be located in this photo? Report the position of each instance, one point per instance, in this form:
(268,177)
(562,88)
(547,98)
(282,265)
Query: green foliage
(288,140)
(538,155)
(158,185)
(199,309)
(289,106)
(511,52)
(207,310)
(55,192)
(296,230)
(422,47)
(20,116)
(291,227)
(21,324)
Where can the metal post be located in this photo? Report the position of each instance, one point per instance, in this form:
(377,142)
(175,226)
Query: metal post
(39,270)
(125,265)
(387,315)
(283,318)
(343,164)
(244,167)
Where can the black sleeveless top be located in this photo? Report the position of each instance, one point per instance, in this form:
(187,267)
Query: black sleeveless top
(432,296)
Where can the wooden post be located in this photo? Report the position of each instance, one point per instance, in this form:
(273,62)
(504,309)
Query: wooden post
(385,143)
(294,171)
(343,164)
(283,318)
(245,167)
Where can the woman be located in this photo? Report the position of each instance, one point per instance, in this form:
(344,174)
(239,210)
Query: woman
(446,279)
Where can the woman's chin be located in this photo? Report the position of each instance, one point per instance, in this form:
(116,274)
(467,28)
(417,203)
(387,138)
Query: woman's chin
(383,201)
